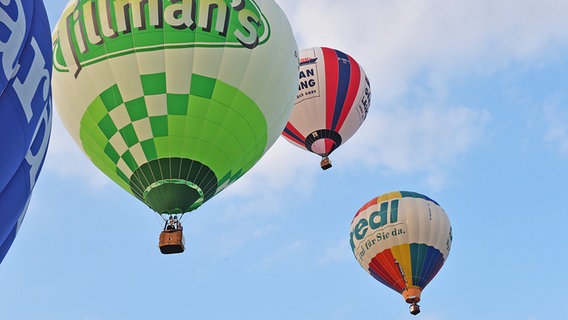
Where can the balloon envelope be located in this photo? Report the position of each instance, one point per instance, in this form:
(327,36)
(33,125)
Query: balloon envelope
(402,239)
(172,100)
(25,108)
(332,102)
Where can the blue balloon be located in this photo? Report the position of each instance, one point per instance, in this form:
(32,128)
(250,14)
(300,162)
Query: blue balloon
(25,108)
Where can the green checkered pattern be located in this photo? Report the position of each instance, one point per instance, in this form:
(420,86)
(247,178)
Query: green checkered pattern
(214,124)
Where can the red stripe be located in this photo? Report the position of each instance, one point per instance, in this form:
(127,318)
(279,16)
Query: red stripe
(384,265)
(331,75)
(295,131)
(369,203)
(329,145)
(354,83)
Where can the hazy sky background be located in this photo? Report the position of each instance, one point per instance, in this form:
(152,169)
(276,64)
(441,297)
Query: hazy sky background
(469,106)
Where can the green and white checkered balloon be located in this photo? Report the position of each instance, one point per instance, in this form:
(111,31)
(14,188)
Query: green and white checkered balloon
(174,100)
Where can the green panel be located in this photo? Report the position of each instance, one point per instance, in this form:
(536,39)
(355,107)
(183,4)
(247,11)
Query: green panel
(123,178)
(149,149)
(418,257)
(98,110)
(175,144)
(159,126)
(111,98)
(107,127)
(202,86)
(411,194)
(394,210)
(176,125)
(129,159)
(172,197)
(215,127)
(137,109)
(177,103)
(194,126)
(96,136)
(225,94)
(111,153)
(153,83)
(198,107)
(162,145)
(129,135)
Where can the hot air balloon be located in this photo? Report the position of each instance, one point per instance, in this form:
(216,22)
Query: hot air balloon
(402,239)
(332,102)
(25,108)
(174,100)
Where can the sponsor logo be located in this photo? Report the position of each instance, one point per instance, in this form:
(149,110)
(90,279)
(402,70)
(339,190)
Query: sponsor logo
(10,45)
(308,86)
(368,232)
(86,28)
(365,102)
(306,61)
(30,79)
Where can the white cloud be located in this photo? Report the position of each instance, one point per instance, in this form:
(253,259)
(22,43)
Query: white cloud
(417,48)
(397,40)
(398,43)
(410,140)
(284,168)
(556,121)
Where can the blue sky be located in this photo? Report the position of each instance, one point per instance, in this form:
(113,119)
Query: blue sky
(469,107)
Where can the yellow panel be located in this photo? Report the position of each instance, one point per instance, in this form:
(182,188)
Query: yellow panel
(401,254)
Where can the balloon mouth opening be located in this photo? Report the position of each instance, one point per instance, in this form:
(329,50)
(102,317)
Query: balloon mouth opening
(323,141)
(412,295)
(324,146)
(173,185)
(173,196)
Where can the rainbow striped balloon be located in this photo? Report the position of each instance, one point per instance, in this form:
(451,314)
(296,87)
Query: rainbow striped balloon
(333,100)
(402,239)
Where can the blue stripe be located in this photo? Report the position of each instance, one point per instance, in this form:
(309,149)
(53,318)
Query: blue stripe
(343,78)
(294,136)
(426,262)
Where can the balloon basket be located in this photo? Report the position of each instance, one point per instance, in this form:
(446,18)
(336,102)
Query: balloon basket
(171,241)
(325,163)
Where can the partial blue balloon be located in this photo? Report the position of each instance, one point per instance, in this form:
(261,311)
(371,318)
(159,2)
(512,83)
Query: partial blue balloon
(25,108)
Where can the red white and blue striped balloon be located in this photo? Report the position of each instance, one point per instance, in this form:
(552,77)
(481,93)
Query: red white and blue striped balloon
(333,99)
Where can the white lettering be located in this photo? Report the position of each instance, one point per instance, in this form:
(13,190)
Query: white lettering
(27,89)
(42,131)
(11,48)
(37,78)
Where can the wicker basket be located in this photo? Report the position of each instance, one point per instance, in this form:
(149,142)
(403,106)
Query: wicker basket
(171,241)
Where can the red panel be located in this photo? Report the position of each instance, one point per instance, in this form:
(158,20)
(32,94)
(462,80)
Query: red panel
(354,83)
(384,266)
(331,75)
